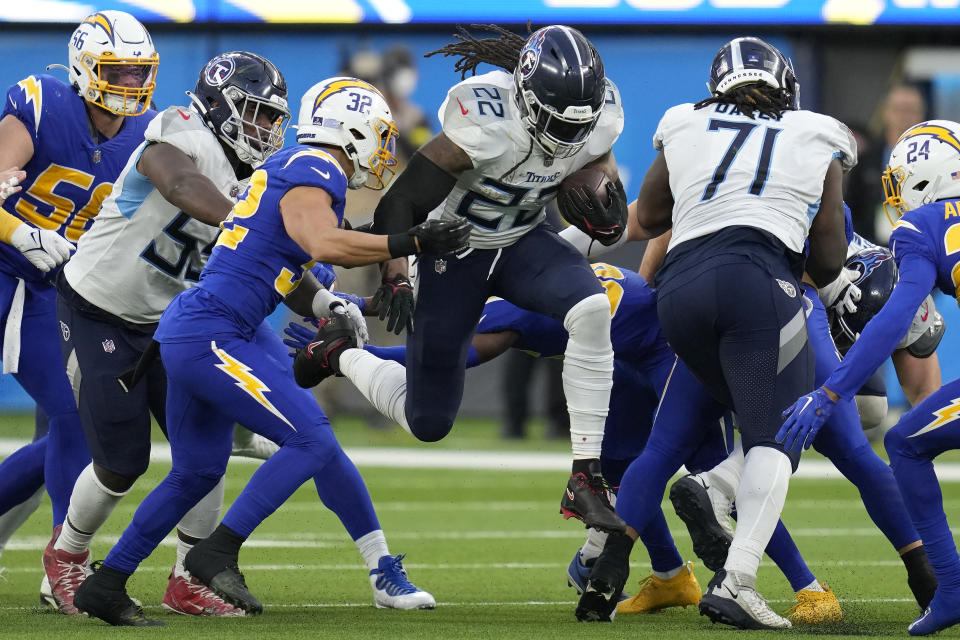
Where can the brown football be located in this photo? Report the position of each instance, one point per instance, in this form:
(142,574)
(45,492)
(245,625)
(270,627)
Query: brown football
(591,180)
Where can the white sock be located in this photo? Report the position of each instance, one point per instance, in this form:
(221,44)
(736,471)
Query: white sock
(763,490)
(372,547)
(382,382)
(91,504)
(725,477)
(182,549)
(666,575)
(814,586)
(588,373)
(593,545)
(203,517)
(15,517)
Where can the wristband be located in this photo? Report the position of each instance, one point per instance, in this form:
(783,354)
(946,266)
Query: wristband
(401,245)
(322,302)
(8,224)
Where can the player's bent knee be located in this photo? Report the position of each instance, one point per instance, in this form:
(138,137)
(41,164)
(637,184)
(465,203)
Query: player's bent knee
(872,410)
(118,483)
(430,428)
(586,316)
(897,444)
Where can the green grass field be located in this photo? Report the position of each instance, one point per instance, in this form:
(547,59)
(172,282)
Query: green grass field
(489,545)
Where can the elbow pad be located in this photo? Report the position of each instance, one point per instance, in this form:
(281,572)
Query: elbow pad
(926,344)
(420,189)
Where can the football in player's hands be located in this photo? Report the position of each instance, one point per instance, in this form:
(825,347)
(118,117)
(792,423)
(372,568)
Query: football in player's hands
(593,203)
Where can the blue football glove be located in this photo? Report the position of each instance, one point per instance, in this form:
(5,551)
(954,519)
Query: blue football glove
(349,297)
(804,419)
(299,336)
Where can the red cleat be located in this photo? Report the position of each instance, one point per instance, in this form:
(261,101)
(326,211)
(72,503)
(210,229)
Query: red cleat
(65,571)
(188,596)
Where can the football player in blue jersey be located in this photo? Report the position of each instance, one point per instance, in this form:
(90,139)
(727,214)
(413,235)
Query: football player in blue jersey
(509,138)
(72,140)
(922,186)
(148,243)
(219,370)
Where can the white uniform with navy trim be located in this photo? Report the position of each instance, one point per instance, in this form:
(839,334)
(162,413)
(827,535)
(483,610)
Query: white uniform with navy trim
(141,250)
(512,179)
(727,169)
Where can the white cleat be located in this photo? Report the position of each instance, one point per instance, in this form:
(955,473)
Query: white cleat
(248,444)
(742,607)
(392,589)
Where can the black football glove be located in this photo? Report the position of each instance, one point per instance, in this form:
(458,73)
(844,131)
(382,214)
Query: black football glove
(582,208)
(442,236)
(394,300)
(320,358)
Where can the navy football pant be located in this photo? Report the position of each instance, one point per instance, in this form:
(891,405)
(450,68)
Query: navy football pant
(211,385)
(540,272)
(42,375)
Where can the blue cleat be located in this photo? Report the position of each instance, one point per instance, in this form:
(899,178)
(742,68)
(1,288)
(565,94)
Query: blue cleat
(943,612)
(578,574)
(392,589)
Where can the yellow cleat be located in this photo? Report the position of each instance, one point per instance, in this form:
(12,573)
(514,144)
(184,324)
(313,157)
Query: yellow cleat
(656,593)
(815,607)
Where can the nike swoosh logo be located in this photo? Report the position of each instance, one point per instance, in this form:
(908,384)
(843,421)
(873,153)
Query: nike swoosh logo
(481,318)
(805,405)
(462,110)
(926,312)
(570,494)
(323,174)
(185,116)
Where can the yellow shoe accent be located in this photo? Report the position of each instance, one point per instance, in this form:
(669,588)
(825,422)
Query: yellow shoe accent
(815,607)
(656,593)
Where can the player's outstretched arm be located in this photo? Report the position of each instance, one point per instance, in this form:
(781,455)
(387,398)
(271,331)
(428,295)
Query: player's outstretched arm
(176,177)
(828,240)
(654,212)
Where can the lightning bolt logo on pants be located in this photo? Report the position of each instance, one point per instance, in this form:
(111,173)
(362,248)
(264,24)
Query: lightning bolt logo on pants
(250,383)
(945,415)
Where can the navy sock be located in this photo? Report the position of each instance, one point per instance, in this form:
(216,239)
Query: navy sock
(21,474)
(343,491)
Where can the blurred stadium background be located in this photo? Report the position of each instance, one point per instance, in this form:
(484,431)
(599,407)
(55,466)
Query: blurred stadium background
(848,54)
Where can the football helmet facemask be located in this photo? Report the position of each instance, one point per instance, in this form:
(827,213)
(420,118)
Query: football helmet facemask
(751,60)
(561,88)
(112,63)
(352,115)
(924,166)
(243,98)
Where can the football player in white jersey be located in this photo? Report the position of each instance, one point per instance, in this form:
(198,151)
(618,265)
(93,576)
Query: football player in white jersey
(509,138)
(148,243)
(738,177)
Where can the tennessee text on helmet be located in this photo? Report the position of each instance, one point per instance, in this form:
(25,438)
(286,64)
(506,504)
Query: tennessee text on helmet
(243,98)
(112,63)
(561,89)
(924,167)
(352,115)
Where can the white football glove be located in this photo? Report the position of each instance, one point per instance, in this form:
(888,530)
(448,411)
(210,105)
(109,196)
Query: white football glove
(324,303)
(9,186)
(842,295)
(44,249)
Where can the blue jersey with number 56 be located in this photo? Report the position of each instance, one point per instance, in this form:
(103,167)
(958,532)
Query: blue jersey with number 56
(254,264)
(70,173)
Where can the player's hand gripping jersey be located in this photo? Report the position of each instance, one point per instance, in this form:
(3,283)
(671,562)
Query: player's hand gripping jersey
(70,173)
(727,169)
(512,180)
(254,264)
(142,251)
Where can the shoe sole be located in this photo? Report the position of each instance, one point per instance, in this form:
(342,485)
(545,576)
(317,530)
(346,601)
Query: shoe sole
(248,602)
(591,608)
(616,527)
(728,612)
(692,505)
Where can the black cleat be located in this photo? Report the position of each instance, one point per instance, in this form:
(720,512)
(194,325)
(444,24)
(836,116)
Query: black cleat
(586,498)
(692,504)
(220,572)
(110,605)
(320,358)
(609,574)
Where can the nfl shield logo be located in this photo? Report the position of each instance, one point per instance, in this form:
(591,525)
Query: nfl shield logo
(108,346)
(440,265)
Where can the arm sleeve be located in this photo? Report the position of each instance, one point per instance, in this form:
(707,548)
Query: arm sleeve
(417,191)
(884,331)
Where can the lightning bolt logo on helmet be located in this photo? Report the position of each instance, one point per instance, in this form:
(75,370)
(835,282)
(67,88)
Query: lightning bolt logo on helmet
(102,21)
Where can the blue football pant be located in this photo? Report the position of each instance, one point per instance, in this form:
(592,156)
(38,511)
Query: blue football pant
(211,385)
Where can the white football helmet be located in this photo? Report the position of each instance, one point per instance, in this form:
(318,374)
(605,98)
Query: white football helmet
(113,63)
(353,115)
(924,166)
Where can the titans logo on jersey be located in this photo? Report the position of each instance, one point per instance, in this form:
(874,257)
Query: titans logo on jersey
(70,173)
(255,264)
(634,328)
(932,231)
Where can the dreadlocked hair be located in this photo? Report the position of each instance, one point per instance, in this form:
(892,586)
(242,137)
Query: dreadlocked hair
(502,51)
(752,97)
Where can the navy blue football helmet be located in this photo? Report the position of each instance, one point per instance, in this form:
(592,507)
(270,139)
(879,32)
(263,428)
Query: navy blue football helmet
(235,90)
(751,60)
(878,277)
(561,88)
